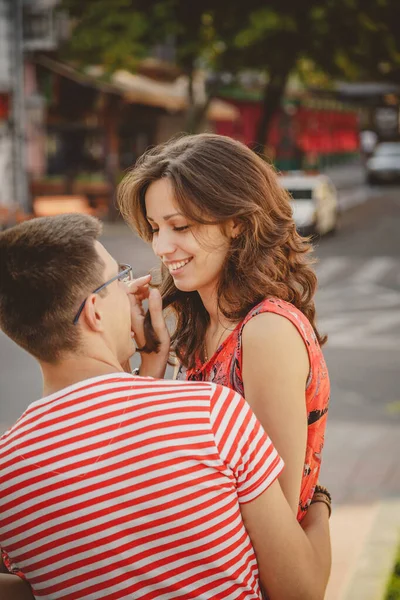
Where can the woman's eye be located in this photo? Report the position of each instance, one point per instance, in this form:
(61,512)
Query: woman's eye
(153,231)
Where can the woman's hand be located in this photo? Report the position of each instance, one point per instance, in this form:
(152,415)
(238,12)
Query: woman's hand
(153,364)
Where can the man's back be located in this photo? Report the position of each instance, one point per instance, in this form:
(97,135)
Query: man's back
(123,487)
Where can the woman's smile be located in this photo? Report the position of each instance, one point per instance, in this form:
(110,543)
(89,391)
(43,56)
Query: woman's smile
(176,267)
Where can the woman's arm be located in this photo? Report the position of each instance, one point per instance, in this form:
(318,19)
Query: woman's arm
(275,372)
(13,587)
(292,562)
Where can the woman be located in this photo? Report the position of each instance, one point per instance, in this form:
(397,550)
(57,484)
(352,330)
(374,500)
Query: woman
(238,278)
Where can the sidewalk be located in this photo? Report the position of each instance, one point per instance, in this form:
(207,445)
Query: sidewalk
(364,543)
(362,469)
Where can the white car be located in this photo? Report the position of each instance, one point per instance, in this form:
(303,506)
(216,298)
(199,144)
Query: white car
(314,201)
(384,164)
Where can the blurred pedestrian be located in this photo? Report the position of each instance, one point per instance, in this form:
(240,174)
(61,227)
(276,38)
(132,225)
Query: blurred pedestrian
(368,141)
(239,280)
(117,486)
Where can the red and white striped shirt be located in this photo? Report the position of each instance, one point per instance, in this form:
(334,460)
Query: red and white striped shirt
(125,487)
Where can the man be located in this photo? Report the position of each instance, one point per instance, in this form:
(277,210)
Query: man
(115,486)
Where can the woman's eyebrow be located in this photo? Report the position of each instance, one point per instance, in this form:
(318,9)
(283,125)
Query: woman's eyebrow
(166,217)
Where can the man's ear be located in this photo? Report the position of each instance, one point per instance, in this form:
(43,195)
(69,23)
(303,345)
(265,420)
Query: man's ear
(92,313)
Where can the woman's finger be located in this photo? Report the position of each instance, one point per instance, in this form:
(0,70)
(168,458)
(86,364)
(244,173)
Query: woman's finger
(137,320)
(142,293)
(135,285)
(157,317)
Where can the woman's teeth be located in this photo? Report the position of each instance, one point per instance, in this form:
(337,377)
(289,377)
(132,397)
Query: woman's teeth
(178,265)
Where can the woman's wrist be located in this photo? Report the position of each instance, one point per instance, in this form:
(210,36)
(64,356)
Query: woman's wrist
(153,366)
(321,494)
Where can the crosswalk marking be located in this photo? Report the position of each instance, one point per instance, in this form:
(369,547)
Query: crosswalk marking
(358,305)
(375,343)
(357,270)
(345,296)
(345,334)
(331,267)
(374,269)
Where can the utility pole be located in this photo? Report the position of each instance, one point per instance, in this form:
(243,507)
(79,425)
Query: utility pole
(20,177)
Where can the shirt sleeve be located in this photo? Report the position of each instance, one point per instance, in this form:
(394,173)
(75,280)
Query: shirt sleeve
(243,445)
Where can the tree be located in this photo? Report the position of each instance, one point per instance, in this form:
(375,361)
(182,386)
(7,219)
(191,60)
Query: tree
(354,39)
(118,33)
(271,39)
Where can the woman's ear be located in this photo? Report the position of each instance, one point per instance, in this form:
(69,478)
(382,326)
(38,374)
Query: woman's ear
(92,313)
(236,229)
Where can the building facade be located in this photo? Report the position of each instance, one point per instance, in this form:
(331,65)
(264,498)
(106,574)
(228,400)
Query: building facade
(6,93)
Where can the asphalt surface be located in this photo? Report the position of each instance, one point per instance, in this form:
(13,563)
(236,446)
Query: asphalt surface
(358,305)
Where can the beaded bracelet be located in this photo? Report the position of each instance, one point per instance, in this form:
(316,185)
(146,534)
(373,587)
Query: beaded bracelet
(321,494)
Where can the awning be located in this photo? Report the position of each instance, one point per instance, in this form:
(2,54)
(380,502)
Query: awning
(139,89)
(371,88)
(74,75)
(172,96)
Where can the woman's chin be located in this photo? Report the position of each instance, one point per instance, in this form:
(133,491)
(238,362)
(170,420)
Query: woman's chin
(184,286)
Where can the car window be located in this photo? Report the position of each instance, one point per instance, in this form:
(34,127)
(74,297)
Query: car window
(301,194)
(388,150)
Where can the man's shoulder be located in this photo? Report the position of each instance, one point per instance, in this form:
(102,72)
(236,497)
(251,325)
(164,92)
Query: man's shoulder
(176,384)
(123,385)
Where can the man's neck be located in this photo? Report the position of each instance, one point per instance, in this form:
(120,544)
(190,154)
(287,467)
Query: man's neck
(73,370)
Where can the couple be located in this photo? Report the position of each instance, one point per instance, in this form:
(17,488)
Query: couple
(119,486)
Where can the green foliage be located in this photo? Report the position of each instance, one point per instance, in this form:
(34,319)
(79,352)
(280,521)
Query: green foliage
(261,24)
(393,592)
(116,33)
(312,76)
(107,32)
(346,38)
(363,34)
(351,39)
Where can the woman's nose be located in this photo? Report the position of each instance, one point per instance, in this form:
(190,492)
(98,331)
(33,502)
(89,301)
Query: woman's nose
(163,244)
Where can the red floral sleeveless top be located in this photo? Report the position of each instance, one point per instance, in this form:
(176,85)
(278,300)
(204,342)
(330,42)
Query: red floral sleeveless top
(225,368)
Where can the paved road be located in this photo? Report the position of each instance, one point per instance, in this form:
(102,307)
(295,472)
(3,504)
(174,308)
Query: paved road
(358,306)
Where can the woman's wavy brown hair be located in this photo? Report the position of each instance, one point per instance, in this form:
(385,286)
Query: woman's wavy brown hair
(216,178)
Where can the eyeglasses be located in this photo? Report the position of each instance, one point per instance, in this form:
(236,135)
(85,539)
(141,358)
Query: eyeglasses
(125,275)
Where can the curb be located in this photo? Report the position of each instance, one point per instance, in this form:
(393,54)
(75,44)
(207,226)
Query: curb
(364,538)
(375,565)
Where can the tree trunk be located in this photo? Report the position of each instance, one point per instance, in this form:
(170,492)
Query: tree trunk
(196,112)
(196,115)
(272,97)
(191,108)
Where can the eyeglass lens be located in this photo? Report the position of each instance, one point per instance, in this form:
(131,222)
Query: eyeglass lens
(126,275)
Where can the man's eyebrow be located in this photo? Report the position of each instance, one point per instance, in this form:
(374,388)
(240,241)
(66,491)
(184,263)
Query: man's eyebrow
(166,217)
